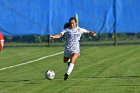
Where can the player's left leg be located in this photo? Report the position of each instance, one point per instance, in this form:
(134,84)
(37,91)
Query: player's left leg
(71,65)
(72,61)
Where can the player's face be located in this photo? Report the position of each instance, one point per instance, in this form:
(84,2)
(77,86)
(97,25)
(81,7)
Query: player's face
(72,24)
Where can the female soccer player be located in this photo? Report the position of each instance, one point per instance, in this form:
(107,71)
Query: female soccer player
(1,41)
(72,46)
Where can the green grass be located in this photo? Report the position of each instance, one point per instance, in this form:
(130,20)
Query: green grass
(98,70)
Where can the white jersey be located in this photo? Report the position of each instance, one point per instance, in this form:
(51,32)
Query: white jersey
(72,38)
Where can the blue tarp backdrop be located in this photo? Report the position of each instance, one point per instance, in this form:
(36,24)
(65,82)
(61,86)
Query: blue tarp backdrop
(47,17)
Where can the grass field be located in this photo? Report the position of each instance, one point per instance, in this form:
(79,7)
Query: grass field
(105,69)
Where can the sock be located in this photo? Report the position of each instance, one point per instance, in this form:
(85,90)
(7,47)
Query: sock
(70,68)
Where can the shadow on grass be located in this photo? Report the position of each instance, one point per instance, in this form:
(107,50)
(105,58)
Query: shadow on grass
(26,81)
(118,77)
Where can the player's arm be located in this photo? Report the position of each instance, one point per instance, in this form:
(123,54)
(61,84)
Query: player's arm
(91,33)
(56,36)
(88,32)
(1,41)
(1,44)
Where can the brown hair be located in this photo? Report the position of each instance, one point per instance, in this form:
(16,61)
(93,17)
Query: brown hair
(73,18)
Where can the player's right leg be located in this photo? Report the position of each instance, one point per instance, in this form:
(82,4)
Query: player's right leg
(66,59)
(67,56)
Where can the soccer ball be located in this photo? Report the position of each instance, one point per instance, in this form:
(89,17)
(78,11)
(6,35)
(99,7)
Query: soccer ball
(50,74)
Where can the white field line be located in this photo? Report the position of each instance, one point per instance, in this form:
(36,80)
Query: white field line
(28,62)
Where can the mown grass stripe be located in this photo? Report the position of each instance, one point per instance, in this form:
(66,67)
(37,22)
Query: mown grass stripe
(31,61)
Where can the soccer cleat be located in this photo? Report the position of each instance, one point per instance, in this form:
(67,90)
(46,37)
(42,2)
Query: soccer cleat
(66,76)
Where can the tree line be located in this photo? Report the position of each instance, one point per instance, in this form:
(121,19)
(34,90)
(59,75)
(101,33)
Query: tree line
(85,37)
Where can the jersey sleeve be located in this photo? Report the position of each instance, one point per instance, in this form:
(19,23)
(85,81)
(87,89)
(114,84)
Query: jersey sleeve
(83,30)
(63,32)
